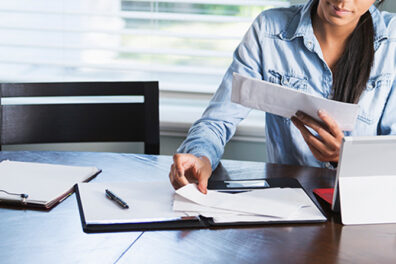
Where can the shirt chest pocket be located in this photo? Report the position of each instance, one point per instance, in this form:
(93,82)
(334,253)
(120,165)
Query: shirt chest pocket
(373,98)
(290,80)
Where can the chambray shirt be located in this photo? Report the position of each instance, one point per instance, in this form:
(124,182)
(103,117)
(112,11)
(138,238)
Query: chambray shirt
(281,47)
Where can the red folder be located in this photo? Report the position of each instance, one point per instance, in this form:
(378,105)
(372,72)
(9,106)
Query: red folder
(326,194)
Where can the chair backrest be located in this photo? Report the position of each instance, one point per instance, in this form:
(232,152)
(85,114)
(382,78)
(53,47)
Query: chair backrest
(81,122)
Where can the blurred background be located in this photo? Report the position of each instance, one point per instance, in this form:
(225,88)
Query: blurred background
(184,44)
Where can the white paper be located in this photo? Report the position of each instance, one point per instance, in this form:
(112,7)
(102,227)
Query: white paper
(266,206)
(284,101)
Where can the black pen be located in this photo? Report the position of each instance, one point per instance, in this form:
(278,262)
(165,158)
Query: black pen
(116,199)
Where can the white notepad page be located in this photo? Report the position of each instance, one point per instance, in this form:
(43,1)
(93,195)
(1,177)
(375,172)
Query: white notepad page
(147,201)
(43,183)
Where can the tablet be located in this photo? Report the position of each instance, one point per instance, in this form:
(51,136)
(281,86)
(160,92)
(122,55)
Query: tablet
(250,184)
(366,180)
(221,180)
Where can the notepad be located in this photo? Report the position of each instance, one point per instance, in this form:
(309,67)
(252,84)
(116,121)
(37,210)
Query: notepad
(45,184)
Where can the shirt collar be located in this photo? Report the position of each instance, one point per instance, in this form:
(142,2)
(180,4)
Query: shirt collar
(380,30)
(301,24)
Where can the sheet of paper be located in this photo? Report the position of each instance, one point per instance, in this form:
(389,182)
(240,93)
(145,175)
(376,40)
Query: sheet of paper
(284,101)
(245,204)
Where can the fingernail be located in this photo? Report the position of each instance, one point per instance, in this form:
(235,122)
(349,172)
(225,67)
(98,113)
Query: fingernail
(202,190)
(321,112)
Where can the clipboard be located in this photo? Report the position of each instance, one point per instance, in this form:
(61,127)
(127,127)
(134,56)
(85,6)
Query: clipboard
(99,214)
(35,185)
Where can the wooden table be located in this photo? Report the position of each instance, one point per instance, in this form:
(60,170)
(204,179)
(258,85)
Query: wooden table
(29,236)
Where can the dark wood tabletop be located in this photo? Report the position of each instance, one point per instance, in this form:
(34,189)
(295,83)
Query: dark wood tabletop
(56,236)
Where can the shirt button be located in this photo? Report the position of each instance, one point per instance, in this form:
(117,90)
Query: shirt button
(328,165)
(309,44)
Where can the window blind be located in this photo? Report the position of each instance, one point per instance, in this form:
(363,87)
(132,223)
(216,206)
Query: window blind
(184,44)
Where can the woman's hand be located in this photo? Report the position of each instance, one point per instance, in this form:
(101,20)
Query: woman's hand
(326,146)
(187,168)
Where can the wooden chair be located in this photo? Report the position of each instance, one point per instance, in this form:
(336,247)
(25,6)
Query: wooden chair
(81,122)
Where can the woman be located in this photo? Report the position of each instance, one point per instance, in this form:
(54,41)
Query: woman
(343,50)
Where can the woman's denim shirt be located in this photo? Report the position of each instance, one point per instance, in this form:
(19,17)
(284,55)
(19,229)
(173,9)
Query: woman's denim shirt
(281,47)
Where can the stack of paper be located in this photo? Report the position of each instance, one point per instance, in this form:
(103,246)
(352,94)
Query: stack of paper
(260,205)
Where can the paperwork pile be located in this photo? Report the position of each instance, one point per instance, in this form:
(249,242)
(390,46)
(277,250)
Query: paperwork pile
(259,205)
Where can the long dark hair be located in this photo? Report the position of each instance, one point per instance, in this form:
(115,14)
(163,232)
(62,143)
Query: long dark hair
(352,70)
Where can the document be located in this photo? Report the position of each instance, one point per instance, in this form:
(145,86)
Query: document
(283,101)
(260,205)
(44,184)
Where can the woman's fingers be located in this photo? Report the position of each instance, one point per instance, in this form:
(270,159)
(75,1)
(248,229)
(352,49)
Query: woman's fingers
(331,124)
(325,146)
(317,147)
(205,171)
(203,185)
(172,178)
(188,168)
(181,162)
(177,179)
(325,135)
(307,135)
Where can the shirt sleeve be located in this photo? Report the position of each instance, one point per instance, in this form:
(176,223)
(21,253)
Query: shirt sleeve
(387,124)
(208,136)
